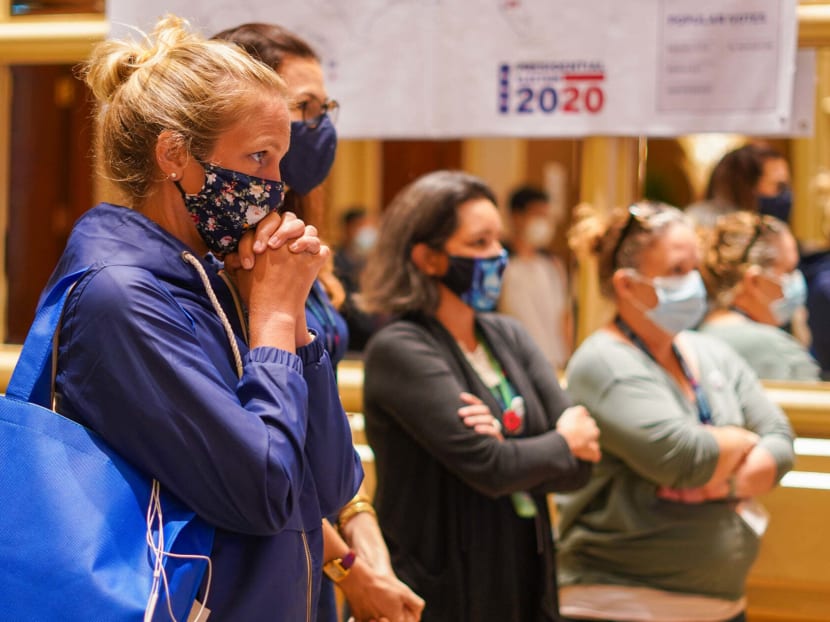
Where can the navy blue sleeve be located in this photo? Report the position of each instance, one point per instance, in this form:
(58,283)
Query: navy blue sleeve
(332,459)
(131,367)
(818,305)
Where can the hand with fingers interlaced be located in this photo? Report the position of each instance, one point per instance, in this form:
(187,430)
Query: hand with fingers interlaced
(274,269)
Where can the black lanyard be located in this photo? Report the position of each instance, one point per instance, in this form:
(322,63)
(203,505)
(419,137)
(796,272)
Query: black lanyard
(704,412)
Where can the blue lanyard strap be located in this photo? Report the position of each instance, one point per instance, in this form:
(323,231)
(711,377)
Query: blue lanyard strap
(704,412)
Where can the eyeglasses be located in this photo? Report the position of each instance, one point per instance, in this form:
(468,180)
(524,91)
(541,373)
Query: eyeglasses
(756,234)
(314,110)
(638,213)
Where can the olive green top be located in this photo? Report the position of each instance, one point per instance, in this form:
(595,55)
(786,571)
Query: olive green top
(615,530)
(774,354)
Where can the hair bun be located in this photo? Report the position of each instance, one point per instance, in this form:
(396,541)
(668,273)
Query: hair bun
(585,235)
(113,62)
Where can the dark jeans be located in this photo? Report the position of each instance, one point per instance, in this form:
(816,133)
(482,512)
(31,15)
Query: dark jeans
(741,617)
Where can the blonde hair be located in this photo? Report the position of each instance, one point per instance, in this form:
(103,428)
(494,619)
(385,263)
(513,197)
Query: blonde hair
(737,242)
(173,80)
(618,239)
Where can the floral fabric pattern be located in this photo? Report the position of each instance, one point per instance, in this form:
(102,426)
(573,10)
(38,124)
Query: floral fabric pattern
(229,204)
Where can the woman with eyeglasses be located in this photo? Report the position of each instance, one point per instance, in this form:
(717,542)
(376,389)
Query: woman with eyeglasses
(750,267)
(667,528)
(355,555)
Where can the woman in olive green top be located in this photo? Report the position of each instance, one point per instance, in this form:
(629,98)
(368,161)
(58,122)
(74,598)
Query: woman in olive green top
(664,530)
(750,270)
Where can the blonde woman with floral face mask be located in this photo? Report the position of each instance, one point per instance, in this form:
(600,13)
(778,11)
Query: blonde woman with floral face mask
(238,417)
(750,267)
(688,438)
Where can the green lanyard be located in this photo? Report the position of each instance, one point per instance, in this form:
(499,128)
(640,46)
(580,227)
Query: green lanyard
(504,393)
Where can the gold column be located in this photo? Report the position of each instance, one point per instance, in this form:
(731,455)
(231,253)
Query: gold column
(501,162)
(612,171)
(355,179)
(810,157)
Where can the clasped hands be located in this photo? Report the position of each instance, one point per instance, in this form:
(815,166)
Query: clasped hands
(274,269)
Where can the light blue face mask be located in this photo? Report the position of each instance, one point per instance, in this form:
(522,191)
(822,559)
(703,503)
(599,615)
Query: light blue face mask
(681,301)
(793,295)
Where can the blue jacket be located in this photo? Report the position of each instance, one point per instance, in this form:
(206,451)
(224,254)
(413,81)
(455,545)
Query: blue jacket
(145,362)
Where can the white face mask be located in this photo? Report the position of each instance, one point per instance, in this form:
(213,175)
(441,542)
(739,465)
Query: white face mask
(365,239)
(539,232)
(681,301)
(793,296)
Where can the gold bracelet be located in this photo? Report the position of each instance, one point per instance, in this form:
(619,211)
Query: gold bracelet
(356,506)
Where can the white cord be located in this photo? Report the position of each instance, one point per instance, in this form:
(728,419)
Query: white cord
(189,258)
(155,515)
(154,511)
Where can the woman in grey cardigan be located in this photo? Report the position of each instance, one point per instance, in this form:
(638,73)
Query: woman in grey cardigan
(468,423)
(667,528)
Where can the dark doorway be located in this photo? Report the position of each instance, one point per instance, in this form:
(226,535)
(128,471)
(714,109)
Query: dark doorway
(50,181)
(406,160)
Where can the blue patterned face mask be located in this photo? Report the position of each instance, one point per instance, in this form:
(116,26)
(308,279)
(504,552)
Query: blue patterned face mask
(476,280)
(229,204)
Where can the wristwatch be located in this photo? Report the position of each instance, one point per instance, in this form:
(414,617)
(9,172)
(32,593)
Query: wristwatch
(339,568)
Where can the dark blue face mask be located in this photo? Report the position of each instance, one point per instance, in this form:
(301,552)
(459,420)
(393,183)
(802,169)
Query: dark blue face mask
(476,280)
(310,155)
(778,205)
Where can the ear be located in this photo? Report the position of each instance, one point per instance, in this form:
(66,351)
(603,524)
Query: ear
(171,155)
(428,260)
(622,282)
(751,279)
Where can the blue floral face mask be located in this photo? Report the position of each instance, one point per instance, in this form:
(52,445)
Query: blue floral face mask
(229,204)
(476,280)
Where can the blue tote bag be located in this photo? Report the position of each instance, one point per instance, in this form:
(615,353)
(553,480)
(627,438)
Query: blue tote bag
(81,531)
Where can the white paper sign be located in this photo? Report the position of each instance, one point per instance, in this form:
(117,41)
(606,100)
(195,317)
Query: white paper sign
(435,68)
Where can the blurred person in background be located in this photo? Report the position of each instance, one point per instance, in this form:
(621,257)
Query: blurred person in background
(753,178)
(750,267)
(359,236)
(815,264)
(535,289)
